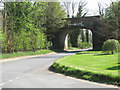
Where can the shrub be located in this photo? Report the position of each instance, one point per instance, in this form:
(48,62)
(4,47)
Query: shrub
(110,46)
(83,45)
(119,41)
(119,48)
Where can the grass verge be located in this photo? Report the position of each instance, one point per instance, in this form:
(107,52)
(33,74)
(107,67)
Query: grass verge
(86,65)
(73,48)
(16,54)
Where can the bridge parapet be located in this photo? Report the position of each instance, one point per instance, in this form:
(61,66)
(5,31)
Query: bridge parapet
(83,22)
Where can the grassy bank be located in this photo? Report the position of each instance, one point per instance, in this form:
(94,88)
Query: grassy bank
(90,65)
(29,53)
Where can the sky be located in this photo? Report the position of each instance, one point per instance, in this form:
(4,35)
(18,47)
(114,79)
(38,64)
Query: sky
(92,5)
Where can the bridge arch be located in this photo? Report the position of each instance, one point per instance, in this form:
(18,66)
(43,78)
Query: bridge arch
(94,23)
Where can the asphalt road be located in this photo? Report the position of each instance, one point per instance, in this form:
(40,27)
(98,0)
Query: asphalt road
(33,73)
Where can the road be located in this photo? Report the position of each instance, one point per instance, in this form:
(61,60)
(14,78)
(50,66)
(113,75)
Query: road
(33,73)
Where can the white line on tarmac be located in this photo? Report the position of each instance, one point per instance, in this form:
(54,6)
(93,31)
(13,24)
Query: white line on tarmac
(11,80)
(19,77)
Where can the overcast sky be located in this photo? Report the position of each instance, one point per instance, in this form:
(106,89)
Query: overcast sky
(92,5)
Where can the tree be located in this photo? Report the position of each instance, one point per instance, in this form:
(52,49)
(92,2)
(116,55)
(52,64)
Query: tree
(81,9)
(66,6)
(111,17)
(101,9)
(110,46)
(82,35)
(28,25)
(53,17)
(74,35)
(112,13)
(87,36)
(73,8)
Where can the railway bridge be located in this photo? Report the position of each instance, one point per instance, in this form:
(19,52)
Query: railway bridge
(94,23)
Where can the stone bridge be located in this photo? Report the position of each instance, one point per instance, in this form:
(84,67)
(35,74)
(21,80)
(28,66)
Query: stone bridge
(94,23)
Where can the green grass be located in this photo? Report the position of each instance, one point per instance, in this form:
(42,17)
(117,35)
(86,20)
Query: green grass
(94,67)
(16,54)
(73,48)
(89,52)
(106,64)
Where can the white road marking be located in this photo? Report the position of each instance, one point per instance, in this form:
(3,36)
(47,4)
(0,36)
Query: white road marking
(19,77)
(111,86)
(11,80)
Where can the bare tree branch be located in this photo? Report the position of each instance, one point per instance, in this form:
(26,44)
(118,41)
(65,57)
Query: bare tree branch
(67,7)
(73,7)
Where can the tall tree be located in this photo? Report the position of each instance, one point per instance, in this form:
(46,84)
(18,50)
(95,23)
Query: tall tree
(54,15)
(27,25)
(74,4)
(81,9)
(87,36)
(111,15)
(101,9)
(74,35)
(66,6)
(82,35)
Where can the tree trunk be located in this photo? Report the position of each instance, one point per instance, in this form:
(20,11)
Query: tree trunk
(112,52)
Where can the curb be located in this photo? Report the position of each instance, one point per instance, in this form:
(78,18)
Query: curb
(23,57)
(84,74)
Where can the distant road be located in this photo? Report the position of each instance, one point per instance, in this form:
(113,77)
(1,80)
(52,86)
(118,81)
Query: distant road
(33,73)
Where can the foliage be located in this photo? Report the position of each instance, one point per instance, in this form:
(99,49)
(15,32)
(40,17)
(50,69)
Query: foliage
(28,26)
(81,8)
(73,37)
(83,36)
(87,36)
(94,68)
(119,48)
(83,45)
(53,18)
(20,31)
(119,41)
(110,46)
(72,48)
(111,16)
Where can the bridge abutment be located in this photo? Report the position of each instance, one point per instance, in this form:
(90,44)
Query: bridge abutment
(97,41)
(61,41)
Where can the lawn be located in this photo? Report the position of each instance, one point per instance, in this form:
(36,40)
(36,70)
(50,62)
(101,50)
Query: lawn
(27,53)
(89,52)
(73,48)
(98,63)
(92,63)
